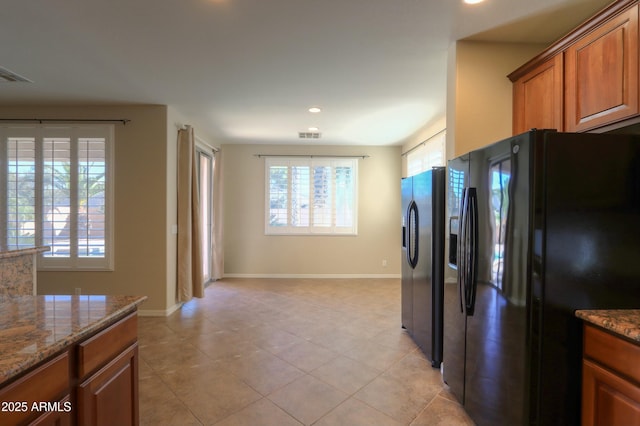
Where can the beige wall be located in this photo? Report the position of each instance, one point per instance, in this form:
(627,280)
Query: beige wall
(479,97)
(479,112)
(140,203)
(248,251)
(174,121)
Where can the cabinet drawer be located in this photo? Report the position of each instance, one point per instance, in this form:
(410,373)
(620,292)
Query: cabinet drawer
(49,382)
(96,351)
(614,352)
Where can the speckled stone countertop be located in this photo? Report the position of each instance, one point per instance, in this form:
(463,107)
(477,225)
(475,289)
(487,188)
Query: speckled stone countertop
(21,252)
(625,322)
(33,328)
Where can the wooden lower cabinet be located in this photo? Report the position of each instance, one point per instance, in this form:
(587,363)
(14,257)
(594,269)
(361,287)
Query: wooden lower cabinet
(608,399)
(62,417)
(109,397)
(93,382)
(21,399)
(610,380)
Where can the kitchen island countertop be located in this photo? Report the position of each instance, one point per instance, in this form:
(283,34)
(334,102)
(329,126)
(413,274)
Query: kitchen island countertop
(6,253)
(624,322)
(33,328)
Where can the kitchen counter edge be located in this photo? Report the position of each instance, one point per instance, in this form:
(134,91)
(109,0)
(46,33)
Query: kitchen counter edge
(119,306)
(623,322)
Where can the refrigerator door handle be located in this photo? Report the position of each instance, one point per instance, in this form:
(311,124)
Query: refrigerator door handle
(462,250)
(412,234)
(472,277)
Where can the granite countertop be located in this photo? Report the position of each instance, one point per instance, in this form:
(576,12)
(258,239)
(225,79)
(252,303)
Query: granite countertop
(33,328)
(5,253)
(625,322)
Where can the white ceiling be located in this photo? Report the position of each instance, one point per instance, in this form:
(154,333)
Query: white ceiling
(246,71)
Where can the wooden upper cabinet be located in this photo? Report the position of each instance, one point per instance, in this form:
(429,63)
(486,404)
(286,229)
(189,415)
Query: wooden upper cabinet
(601,74)
(537,97)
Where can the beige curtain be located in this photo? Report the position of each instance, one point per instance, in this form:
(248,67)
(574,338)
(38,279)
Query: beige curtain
(190,280)
(217,267)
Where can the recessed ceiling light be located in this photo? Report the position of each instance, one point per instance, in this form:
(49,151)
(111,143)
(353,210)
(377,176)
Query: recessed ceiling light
(473,1)
(314,110)
(313,129)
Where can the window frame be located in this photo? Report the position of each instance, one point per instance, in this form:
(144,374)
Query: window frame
(75,132)
(312,230)
(202,151)
(429,154)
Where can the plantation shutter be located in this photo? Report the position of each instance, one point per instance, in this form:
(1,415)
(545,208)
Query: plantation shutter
(311,196)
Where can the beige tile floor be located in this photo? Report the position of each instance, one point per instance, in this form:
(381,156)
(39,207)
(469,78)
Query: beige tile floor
(290,352)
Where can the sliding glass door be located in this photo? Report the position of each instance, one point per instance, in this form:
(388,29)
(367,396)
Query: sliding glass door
(205,186)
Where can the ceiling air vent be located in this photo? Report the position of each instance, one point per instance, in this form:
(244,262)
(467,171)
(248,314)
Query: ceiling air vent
(309,135)
(7,76)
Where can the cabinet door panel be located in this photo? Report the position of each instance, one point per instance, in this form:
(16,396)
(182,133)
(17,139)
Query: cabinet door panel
(57,418)
(110,396)
(538,97)
(608,399)
(601,74)
(49,382)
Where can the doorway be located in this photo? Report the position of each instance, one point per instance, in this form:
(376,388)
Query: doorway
(204,162)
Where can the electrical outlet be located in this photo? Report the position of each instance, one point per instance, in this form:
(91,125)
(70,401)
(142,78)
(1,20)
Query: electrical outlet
(384,263)
(78,291)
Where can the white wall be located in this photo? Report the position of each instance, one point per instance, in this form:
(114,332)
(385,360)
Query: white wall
(249,252)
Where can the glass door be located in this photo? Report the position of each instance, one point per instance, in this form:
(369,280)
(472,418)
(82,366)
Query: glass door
(205,187)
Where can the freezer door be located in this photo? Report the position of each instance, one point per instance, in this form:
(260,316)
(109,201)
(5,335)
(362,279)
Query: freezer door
(496,356)
(422,279)
(438,262)
(454,320)
(406,268)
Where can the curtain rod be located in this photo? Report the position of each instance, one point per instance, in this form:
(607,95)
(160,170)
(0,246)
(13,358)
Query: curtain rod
(423,143)
(181,126)
(311,156)
(124,121)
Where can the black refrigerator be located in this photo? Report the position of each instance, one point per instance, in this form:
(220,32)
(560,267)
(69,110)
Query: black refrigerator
(423,235)
(540,224)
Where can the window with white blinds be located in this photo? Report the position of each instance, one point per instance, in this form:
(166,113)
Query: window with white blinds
(427,155)
(311,196)
(57,185)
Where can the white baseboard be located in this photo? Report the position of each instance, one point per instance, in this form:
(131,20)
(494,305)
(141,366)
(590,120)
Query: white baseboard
(159,312)
(326,276)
